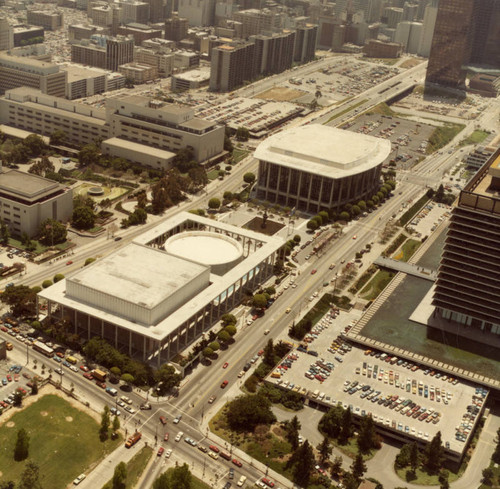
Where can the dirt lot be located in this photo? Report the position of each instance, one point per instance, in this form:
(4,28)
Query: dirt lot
(281,94)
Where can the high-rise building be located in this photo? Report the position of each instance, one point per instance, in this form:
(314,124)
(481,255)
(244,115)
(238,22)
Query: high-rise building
(274,53)
(198,12)
(156,10)
(466,33)
(409,34)
(119,50)
(305,43)
(429,24)
(232,64)
(255,21)
(176,28)
(48,20)
(467,293)
(6,35)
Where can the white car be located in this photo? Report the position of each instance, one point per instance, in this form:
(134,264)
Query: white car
(75,369)
(79,479)
(168,453)
(179,436)
(130,409)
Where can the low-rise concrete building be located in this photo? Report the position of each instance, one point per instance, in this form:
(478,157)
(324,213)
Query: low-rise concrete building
(138,73)
(190,80)
(48,20)
(26,200)
(159,159)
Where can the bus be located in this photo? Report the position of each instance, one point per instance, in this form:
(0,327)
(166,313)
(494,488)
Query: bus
(42,348)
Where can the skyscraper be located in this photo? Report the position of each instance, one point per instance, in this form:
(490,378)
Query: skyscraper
(467,291)
(466,33)
(119,50)
(6,35)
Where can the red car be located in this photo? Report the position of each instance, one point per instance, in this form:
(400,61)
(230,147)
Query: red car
(160,451)
(16,377)
(70,262)
(4,329)
(165,438)
(268,482)
(84,368)
(163,420)
(88,376)
(59,354)
(9,378)
(260,352)
(225,365)
(102,385)
(223,385)
(237,463)
(313,271)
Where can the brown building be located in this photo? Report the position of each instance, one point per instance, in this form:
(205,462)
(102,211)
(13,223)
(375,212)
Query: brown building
(486,85)
(90,54)
(139,32)
(380,49)
(176,28)
(48,20)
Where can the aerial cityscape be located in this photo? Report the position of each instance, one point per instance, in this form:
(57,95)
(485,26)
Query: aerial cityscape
(249,243)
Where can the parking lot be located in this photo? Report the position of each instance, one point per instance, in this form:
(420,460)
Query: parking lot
(405,400)
(429,218)
(13,377)
(408,138)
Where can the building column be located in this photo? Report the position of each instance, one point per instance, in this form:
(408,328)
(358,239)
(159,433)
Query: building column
(116,337)
(159,354)
(144,349)
(130,343)
(75,316)
(88,327)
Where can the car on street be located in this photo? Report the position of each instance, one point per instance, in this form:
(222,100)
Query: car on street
(58,370)
(168,453)
(224,384)
(288,310)
(79,479)
(84,368)
(102,385)
(177,419)
(165,437)
(163,420)
(70,262)
(130,409)
(160,451)
(225,365)
(354,237)
(237,462)
(268,482)
(313,271)
(121,403)
(115,411)
(212,399)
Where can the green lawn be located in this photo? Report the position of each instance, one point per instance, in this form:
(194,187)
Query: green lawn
(135,467)
(239,154)
(351,449)
(496,477)
(425,479)
(198,484)
(407,250)
(377,284)
(213,174)
(442,135)
(476,137)
(64,442)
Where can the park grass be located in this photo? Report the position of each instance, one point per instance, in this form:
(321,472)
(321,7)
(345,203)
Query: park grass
(351,449)
(442,135)
(198,483)
(478,136)
(135,468)
(423,478)
(213,174)
(269,448)
(239,154)
(407,250)
(381,109)
(496,476)
(62,449)
(377,284)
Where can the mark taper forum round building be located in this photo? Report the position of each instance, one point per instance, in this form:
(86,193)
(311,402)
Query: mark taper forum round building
(316,167)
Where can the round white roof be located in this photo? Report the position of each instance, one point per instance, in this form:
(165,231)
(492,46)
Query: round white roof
(204,247)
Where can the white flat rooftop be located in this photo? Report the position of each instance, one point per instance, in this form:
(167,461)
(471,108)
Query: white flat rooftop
(324,150)
(138,274)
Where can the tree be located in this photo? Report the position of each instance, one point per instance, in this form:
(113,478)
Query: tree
(223,336)
(4,233)
(58,138)
(246,412)
(344,216)
(214,203)
(34,388)
(105,421)
(346,428)
(242,134)
(496,454)
(166,378)
(83,217)
(414,458)
(128,379)
(439,195)
(268,355)
(214,345)
(51,232)
(434,453)
(116,424)
(20,298)
(88,261)
(488,475)
(58,277)
(358,467)
(303,463)
(119,480)
(7,485)
(139,216)
(249,178)
(355,210)
(331,422)
(292,428)
(230,329)
(336,468)
(18,398)
(367,438)
(207,352)
(228,319)
(180,477)
(21,450)
(228,144)
(259,301)
(162,482)
(35,145)
(46,284)
(403,457)
(30,478)
(89,155)
(325,450)
(312,225)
